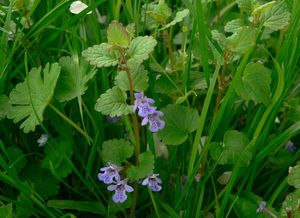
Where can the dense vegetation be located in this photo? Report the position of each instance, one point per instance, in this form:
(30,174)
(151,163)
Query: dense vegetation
(139,108)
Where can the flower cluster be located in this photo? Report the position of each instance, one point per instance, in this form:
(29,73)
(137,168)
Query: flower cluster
(148,112)
(110,175)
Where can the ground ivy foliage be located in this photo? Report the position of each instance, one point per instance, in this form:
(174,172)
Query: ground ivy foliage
(127,52)
(250,87)
(145,168)
(116,151)
(180,121)
(232,149)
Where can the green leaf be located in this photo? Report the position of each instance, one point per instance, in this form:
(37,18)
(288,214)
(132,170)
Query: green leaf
(113,103)
(56,155)
(291,203)
(16,158)
(233,25)
(255,83)
(164,86)
(43,181)
(245,206)
(180,15)
(30,98)
(139,76)
(180,121)
(4,106)
(118,35)
(294,176)
(246,5)
(277,17)
(145,169)
(232,149)
(73,78)
(140,48)
(6,211)
(85,206)
(102,55)
(219,37)
(116,151)
(155,14)
(241,40)
(24,206)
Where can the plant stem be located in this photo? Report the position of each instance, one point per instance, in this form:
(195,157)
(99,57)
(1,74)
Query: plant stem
(134,119)
(222,85)
(137,141)
(170,49)
(69,121)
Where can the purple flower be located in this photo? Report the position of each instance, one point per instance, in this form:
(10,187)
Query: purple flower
(154,120)
(290,147)
(261,207)
(145,110)
(153,182)
(109,173)
(143,103)
(43,140)
(120,191)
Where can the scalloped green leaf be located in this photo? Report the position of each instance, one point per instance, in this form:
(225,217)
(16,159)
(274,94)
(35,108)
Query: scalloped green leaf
(116,151)
(113,103)
(219,37)
(246,5)
(139,77)
(30,98)
(140,48)
(291,203)
(180,121)
(56,155)
(180,15)
(4,106)
(255,83)
(73,79)
(156,14)
(294,176)
(102,55)
(240,41)
(233,25)
(232,149)
(277,17)
(118,35)
(144,169)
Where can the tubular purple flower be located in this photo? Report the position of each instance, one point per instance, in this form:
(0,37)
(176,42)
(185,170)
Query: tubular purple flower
(120,191)
(154,120)
(261,207)
(141,100)
(110,173)
(145,110)
(153,182)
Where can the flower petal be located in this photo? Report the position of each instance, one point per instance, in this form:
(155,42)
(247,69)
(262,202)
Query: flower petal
(77,6)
